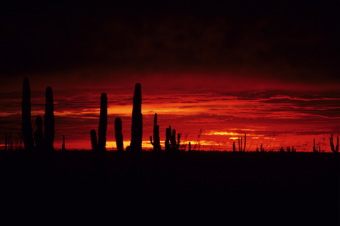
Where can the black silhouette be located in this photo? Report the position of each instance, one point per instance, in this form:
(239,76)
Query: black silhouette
(93,136)
(102,123)
(49,120)
(156,139)
(119,134)
(137,123)
(171,144)
(26,116)
(336,148)
(100,144)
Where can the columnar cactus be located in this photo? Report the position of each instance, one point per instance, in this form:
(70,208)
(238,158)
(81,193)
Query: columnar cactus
(26,116)
(167,138)
(336,148)
(137,120)
(93,140)
(156,140)
(170,140)
(102,123)
(38,134)
(49,119)
(119,134)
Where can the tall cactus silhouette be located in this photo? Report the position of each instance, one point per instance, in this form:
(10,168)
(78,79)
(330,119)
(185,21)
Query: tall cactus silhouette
(119,134)
(38,134)
(93,136)
(102,123)
(137,120)
(26,116)
(156,140)
(49,119)
(336,148)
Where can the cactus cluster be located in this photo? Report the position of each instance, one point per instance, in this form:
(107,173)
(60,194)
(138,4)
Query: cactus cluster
(241,144)
(155,141)
(171,144)
(100,144)
(42,140)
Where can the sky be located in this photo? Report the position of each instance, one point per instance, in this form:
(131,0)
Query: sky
(213,71)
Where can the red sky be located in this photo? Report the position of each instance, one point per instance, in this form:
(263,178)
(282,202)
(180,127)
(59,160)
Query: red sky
(267,70)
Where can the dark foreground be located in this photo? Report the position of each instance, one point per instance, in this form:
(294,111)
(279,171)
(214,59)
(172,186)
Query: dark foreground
(182,188)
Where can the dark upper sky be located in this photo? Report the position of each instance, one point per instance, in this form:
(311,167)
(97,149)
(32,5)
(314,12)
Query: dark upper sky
(289,41)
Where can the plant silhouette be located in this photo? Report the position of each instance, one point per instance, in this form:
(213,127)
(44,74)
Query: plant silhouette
(137,120)
(119,134)
(26,116)
(100,144)
(155,141)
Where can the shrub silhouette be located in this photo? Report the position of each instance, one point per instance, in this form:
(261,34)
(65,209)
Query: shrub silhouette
(26,116)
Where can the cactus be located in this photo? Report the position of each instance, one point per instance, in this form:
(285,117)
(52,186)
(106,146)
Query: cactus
(156,140)
(234,147)
(26,116)
(119,134)
(93,140)
(102,123)
(241,144)
(137,120)
(167,138)
(189,147)
(336,148)
(38,134)
(49,119)
(170,140)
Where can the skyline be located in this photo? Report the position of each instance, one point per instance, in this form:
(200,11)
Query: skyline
(274,118)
